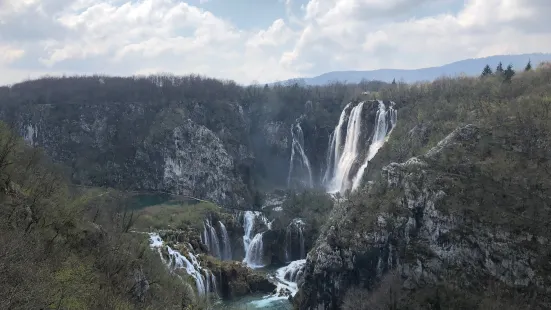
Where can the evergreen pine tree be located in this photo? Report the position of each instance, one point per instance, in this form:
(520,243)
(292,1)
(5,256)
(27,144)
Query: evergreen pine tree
(487,71)
(528,66)
(393,81)
(499,69)
(508,74)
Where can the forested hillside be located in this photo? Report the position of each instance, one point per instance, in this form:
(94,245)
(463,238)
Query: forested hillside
(456,209)
(133,133)
(66,248)
(452,213)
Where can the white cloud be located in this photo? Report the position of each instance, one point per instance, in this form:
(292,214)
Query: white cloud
(137,36)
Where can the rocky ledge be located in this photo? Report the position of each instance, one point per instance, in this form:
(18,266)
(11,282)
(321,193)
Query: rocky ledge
(236,279)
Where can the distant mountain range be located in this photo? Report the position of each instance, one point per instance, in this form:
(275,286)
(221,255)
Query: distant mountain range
(470,67)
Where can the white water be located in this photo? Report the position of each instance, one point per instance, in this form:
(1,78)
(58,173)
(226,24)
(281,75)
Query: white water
(248,226)
(344,160)
(379,135)
(297,147)
(294,231)
(253,243)
(205,281)
(255,253)
(289,275)
(334,146)
(226,243)
(177,260)
(344,150)
(210,239)
(286,279)
(31,134)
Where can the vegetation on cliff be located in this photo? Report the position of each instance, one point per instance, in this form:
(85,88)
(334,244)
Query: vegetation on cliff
(128,125)
(463,220)
(62,247)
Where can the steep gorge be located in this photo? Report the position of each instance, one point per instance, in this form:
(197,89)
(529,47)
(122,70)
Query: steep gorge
(455,212)
(340,193)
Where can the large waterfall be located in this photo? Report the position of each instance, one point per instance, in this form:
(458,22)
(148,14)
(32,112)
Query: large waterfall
(254,246)
(294,240)
(304,174)
(378,139)
(205,281)
(221,250)
(346,146)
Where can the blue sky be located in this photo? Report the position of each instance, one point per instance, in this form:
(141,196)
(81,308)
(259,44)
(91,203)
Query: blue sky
(260,40)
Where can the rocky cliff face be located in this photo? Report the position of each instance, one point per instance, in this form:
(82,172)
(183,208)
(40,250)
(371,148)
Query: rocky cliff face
(139,147)
(458,214)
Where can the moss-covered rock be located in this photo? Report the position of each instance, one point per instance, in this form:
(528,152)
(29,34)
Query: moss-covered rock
(235,279)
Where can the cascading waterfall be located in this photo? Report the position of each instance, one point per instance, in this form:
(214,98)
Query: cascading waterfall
(378,139)
(294,240)
(335,141)
(226,243)
(254,246)
(289,275)
(343,160)
(205,281)
(248,226)
(344,150)
(297,148)
(255,252)
(210,239)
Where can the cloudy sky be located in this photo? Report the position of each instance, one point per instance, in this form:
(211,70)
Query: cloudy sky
(260,40)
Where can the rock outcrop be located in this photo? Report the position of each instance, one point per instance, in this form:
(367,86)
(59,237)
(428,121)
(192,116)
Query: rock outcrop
(137,146)
(237,280)
(458,214)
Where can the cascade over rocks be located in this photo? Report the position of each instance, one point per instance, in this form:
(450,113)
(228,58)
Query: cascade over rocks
(417,220)
(359,134)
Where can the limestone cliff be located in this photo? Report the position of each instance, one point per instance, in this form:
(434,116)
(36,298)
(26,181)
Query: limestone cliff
(459,215)
(138,147)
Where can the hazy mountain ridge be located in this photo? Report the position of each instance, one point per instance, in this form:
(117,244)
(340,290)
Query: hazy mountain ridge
(470,67)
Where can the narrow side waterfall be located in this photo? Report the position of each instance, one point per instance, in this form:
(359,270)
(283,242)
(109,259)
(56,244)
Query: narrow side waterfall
(248,226)
(254,246)
(294,240)
(345,149)
(204,279)
(299,155)
(378,139)
(226,243)
(210,239)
